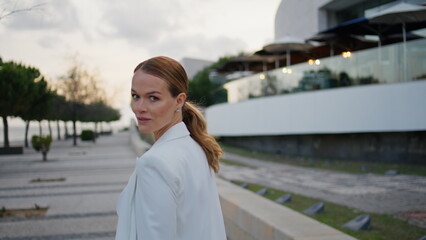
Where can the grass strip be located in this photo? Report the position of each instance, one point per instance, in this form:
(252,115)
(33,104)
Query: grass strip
(234,163)
(332,164)
(382,227)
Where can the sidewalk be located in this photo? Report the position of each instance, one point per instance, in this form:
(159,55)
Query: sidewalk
(82,206)
(368,192)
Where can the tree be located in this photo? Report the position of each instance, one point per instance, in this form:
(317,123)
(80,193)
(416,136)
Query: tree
(67,116)
(60,109)
(204,91)
(4,12)
(111,115)
(79,86)
(42,144)
(97,113)
(16,84)
(40,106)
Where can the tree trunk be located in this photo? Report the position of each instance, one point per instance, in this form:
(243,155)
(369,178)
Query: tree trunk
(40,131)
(95,132)
(5,132)
(74,135)
(50,128)
(27,127)
(66,129)
(58,129)
(74,120)
(44,153)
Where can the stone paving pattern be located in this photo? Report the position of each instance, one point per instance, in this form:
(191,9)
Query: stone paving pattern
(82,206)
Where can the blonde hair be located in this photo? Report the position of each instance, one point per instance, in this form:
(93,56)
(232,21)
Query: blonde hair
(174,74)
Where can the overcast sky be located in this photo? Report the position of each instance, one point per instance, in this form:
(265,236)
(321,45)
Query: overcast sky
(111,36)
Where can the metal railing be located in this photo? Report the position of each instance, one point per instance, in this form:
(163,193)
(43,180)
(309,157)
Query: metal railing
(371,66)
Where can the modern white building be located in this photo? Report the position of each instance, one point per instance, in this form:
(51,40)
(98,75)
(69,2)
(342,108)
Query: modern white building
(193,66)
(303,19)
(362,105)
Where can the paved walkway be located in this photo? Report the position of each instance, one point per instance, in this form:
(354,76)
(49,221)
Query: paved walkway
(82,206)
(368,192)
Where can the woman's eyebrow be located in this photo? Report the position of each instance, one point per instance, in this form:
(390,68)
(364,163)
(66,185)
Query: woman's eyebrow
(148,93)
(153,92)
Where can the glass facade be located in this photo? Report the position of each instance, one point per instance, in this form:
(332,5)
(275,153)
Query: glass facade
(371,66)
(357,10)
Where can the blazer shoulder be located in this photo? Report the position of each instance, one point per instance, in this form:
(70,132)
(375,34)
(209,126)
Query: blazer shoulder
(164,160)
(173,150)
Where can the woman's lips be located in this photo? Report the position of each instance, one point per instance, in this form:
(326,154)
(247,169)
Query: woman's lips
(143,119)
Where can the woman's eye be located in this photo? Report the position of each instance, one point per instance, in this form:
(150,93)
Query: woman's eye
(153,98)
(135,96)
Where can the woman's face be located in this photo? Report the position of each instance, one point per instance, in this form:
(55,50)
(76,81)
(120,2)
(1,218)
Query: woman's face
(153,105)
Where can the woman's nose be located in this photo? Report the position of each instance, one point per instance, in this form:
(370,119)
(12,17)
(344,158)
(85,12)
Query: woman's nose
(139,106)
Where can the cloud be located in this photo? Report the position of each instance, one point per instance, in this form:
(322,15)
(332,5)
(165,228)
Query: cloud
(174,28)
(49,41)
(51,15)
(140,22)
(197,45)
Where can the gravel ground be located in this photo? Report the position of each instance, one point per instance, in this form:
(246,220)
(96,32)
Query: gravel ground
(399,195)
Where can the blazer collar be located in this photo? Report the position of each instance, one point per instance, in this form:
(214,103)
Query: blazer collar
(178,130)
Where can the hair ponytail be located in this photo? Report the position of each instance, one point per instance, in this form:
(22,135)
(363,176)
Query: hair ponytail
(196,124)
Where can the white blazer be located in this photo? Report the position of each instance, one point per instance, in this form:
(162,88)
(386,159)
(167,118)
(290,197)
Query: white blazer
(172,193)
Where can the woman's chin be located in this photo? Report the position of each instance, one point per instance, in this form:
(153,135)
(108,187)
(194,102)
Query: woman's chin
(144,130)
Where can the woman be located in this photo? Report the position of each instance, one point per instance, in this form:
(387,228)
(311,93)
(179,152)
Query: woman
(172,192)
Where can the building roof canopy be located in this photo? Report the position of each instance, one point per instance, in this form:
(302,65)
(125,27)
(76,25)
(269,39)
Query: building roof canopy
(362,26)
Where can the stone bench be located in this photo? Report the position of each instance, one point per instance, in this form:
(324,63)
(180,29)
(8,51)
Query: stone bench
(249,216)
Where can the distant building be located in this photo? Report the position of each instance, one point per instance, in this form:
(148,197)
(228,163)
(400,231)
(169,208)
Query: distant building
(359,103)
(302,19)
(193,65)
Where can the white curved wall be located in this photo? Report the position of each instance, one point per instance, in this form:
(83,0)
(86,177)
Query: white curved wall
(297,18)
(374,108)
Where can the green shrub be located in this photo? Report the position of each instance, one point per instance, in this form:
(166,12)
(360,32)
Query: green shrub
(35,142)
(41,144)
(87,135)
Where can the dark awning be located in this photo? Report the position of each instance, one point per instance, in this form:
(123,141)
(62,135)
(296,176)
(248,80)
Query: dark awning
(362,26)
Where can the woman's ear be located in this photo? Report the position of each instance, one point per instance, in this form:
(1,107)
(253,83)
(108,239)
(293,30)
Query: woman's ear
(180,99)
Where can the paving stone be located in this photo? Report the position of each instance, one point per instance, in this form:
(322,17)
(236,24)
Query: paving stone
(82,206)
